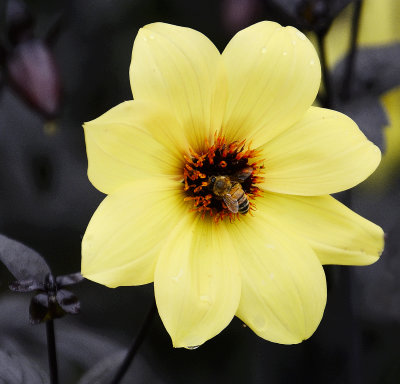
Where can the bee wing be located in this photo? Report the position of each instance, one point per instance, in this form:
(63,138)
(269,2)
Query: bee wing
(231,203)
(243,174)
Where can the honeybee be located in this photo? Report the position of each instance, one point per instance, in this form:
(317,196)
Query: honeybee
(229,189)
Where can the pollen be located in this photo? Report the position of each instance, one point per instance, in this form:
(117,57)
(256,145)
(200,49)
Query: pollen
(234,167)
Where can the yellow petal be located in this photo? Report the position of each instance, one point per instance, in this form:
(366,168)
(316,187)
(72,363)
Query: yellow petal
(323,153)
(283,284)
(133,140)
(273,78)
(336,233)
(197,282)
(180,69)
(127,231)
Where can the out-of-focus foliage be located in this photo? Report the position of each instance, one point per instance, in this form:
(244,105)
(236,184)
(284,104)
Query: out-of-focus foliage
(379,25)
(80,349)
(389,169)
(18,369)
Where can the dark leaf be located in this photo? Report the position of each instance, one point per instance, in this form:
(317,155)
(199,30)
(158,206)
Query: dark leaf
(17,369)
(77,345)
(26,285)
(39,308)
(23,262)
(33,73)
(103,372)
(68,301)
(376,70)
(370,116)
(380,285)
(65,280)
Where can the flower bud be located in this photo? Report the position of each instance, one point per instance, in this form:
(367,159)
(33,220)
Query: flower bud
(33,73)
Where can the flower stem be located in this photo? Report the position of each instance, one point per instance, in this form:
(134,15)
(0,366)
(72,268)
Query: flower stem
(349,67)
(52,354)
(324,67)
(354,350)
(137,342)
(353,335)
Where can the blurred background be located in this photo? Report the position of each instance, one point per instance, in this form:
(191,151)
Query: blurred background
(66,62)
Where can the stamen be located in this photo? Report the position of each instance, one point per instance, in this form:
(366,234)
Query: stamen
(226,161)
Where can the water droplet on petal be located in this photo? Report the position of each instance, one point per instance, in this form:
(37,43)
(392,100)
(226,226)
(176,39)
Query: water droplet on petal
(271,276)
(145,38)
(294,42)
(194,347)
(152,37)
(205,299)
(177,277)
(284,53)
(312,62)
(263,50)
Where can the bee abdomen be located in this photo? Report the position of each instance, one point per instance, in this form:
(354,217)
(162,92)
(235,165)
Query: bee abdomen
(244,204)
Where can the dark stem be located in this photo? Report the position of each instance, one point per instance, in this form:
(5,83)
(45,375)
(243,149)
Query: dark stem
(51,349)
(325,72)
(349,67)
(354,350)
(353,336)
(137,342)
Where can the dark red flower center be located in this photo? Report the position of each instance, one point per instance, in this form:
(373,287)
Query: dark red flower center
(221,181)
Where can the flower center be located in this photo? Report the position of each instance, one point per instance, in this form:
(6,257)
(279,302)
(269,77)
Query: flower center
(221,181)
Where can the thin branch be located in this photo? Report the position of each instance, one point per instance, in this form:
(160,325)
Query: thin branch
(137,342)
(325,71)
(52,354)
(349,67)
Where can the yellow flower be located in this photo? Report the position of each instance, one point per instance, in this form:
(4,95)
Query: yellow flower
(198,121)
